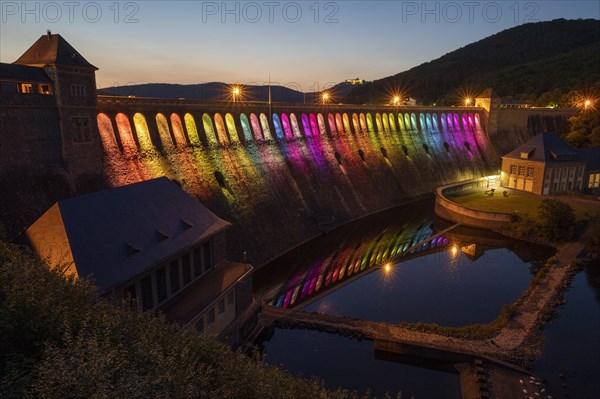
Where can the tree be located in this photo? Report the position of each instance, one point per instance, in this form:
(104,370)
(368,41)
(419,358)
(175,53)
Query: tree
(558,220)
(584,129)
(58,339)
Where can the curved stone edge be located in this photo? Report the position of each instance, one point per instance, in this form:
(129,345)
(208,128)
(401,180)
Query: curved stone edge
(453,212)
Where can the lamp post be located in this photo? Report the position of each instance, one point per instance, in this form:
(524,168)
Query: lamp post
(235,92)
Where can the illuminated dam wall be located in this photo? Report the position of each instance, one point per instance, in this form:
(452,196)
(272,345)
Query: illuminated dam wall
(284,174)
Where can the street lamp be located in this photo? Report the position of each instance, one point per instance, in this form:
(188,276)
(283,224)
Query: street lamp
(396,100)
(587,104)
(235,93)
(325,97)
(467,102)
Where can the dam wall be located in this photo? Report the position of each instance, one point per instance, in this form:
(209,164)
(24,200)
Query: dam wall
(284,174)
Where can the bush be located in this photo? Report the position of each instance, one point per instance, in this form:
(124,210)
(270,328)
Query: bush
(58,339)
(558,219)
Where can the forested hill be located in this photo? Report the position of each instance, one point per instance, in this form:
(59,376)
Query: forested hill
(541,62)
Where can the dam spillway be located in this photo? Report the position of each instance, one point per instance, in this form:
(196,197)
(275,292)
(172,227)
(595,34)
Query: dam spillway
(284,174)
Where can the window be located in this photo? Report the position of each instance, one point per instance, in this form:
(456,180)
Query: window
(174,274)
(78,91)
(231,297)
(146,288)
(513,169)
(594,181)
(200,325)
(44,89)
(208,259)
(26,88)
(161,284)
(186,264)
(80,128)
(521,170)
(530,172)
(129,292)
(221,306)
(8,87)
(210,316)
(197,262)
(556,173)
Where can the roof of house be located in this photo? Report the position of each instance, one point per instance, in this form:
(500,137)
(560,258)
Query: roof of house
(117,234)
(23,73)
(53,50)
(591,156)
(544,147)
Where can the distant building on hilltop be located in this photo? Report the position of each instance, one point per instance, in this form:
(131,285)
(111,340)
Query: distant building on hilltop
(545,164)
(153,242)
(356,81)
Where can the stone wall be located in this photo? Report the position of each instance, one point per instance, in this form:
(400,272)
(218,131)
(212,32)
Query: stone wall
(453,212)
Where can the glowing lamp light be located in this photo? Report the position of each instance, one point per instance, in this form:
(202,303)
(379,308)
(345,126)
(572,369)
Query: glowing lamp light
(467,102)
(325,96)
(454,250)
(587,104)
(396,100)
(387,267)
(236,92)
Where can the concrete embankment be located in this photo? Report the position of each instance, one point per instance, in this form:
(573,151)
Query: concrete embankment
(451,211)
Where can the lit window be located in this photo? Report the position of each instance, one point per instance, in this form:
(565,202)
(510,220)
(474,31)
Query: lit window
(530,172)
(513,169)
(521,170)
(44,89)
(26,88)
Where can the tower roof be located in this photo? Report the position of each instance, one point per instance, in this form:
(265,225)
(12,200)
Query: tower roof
(53,50)
(488,93)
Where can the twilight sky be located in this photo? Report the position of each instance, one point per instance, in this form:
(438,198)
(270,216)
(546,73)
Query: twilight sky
(308,45)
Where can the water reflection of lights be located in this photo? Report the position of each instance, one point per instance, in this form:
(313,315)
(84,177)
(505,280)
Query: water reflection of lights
(454,251)
(387,268)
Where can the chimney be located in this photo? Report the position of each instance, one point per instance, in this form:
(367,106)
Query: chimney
(49,34)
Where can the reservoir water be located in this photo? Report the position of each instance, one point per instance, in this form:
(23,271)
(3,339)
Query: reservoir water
(460,277)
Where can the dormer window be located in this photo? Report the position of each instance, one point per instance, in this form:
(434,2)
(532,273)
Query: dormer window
(25,88)
(44,89)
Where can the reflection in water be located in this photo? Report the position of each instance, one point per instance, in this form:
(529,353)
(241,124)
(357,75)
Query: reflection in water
(348,273)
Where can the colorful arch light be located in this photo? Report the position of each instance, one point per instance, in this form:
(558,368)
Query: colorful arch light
(143,133)
(192,130)
(209,128)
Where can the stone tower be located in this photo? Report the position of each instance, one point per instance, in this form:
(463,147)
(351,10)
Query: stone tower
(75,92)
(491,102)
